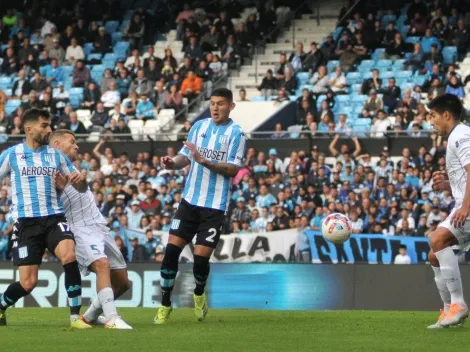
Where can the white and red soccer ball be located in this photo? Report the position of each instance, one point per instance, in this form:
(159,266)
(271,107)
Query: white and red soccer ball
(336,228)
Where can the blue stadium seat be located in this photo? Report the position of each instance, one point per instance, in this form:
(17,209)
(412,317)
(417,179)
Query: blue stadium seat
(8,92)
(124,25)
(87,48)
(398,64)
(362,126)
(342,98)
(388,19)
(111,26)
(419,80)
(358,98)
(404,74)
(5,82)
(383,64)
(377,55)
(11,105)
(303,77)
(367,63)
(332,64)
(386,74)
(353,77)
(94,57)
(97,67)
(116,37)
(367,75)
(404,29)
(292,97)
(258,98)
(412,40)
(450,54)
(337,33)
(356,88)
(348,111)
(407,85)
(76,91)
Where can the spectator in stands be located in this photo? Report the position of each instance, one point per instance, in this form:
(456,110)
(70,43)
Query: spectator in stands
(381,125)
(174,99)
(210,40)
(268,85)
(205,73)
(328,49)
(455,87)
(10,63)
(192,86)
(123,82)
(45,60)
(158,96)
(216,67)
(313,59)
(279,133)
(416,59)
(57,52)
(395,49)
(304,109)
(281,96)
(76,126)
(129,105)
(289,82)
(281,66)
(3,100)
(372,105)
(38,83)
(21,87)
(193,49)
(141,85)
(135,32)
(171,59)
(297,58)
(338,83)
(150,205)
(374,83)
(324,111)
(152,72)
(408,100)
(139,255)
(130,61)
(104,38)
(402,257)
(111,96)
(343,43)
(32,102)
(100,117)
(343,126)
(348,57)
(145,109)
(391,95)
(74,52)
(374,34)
(122,129)
(360,46)
(16,127)
(231,53)
(91,96)
(461,38)
(25,51)
(320,80)
(107,78)
(428,40)
(185,67)
(81,74)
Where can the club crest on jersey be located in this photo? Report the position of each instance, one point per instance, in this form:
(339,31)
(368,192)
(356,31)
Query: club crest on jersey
(457,144)
(223,139)
(47,157)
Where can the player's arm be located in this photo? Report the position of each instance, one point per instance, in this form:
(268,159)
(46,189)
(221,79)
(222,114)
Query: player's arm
(76,179)
(463,154)
(440,182)
(332,146)
(177,163)
(96,150)
(5,166)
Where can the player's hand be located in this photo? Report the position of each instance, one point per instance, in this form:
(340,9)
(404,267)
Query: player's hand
(438,180)
(459,217)
(61,181)
(167,163)
(196,156)
(76,178)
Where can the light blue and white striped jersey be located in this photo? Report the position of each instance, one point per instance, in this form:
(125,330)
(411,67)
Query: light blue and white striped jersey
(32,172)
(218,144)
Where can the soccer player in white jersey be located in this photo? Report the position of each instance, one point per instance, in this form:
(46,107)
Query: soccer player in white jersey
(95,248)
(214,150)
(39,214)
(446,111)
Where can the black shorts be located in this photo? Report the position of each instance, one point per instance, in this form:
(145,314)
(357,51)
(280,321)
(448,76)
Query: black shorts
(31,237)
(190,220)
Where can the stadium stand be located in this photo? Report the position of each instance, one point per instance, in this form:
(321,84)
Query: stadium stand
(390,67)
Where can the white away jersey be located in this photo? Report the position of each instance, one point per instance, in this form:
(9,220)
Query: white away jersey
(457,157)
(219,144)
(32,174)
(80,208)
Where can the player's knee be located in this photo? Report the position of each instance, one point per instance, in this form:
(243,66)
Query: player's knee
(432,258)
(101,265)
(29,283)
(68,258)
(440,240)
(201,261)
(172,254)
(124,286)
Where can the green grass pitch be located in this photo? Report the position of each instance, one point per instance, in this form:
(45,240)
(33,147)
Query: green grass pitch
(36,329)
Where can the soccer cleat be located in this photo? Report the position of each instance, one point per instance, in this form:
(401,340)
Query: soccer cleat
(117,323)
(100,321)
(3,318)
(438,325)
(162,315)
(455,316)
(200,306)
(79,323)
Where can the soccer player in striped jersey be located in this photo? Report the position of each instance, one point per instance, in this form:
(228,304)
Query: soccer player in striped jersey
(214,150)
(39,214)
(95,248)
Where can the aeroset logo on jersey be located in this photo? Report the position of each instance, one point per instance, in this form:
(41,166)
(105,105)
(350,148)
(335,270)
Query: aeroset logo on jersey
(38,171)
(207,153)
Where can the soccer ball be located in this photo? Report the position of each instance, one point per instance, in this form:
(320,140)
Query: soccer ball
(336,228)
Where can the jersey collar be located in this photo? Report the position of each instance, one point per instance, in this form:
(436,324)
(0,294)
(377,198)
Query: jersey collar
(28,149)
(452,130)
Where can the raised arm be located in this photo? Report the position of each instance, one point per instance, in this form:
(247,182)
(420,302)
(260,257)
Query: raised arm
(357,147)
(332,146)
(96,150)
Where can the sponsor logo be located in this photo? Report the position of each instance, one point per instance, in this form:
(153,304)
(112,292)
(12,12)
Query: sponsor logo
(207,153)
(38,171)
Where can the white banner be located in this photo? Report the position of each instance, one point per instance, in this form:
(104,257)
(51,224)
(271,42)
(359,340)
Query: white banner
(277,247)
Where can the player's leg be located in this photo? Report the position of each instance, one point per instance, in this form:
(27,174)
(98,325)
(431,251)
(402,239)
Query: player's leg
(208,234)
(441,242)
(28,249)
(182,231)
(441,287)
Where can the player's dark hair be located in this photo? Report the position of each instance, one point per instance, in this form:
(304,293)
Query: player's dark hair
(224,93)
(33,115)
(447,102)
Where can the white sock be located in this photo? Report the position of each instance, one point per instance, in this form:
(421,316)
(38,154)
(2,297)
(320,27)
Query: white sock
(93,311)
(441,287)
(73,317)
(450,272)
(106,297)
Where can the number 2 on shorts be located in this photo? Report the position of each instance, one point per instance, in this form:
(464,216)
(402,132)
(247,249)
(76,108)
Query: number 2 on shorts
(213,234)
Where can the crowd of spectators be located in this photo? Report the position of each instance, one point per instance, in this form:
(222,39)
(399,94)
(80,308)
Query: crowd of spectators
(45,58)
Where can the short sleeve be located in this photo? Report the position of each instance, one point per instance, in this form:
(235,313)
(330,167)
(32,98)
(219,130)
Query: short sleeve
(192,136)
(461,147)
(5,164)
(66,165)
(237,149)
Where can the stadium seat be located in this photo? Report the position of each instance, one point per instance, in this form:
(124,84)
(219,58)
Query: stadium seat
(258,98)
(388,19)
(5,82)
(94,57)
(362,126)
(358,98)
(412,40)
(384,64)
(342,98)
(124,25)
(116,37)
(94,137)
(111,26)
(385,75)
(11,105)
(87,48)
(356,88)
(294,131)
(331,65)
(404,74)
(303,77)
(353,77)
(377,55)
(151,128)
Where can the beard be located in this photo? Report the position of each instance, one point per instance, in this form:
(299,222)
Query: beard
(42,140)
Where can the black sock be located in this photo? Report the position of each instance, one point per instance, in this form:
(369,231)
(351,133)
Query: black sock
(73,286)
(201,268)
(168,272)
(13,293)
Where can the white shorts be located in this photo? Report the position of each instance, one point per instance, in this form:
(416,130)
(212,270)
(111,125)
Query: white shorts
(94,242)
(462,234)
